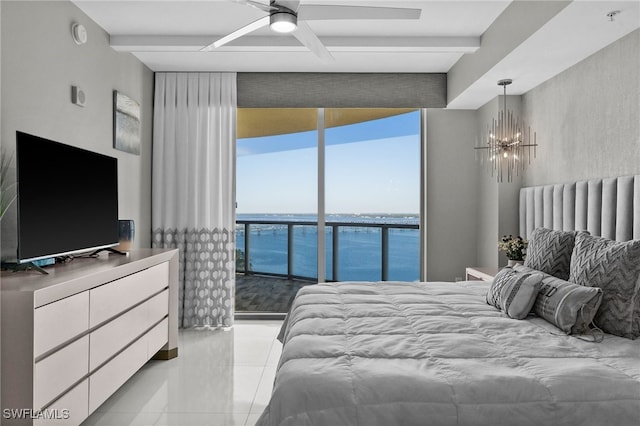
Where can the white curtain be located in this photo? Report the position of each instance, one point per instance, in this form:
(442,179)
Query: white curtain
(193,189)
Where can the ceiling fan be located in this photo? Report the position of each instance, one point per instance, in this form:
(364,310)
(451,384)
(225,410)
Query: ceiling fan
(288,16)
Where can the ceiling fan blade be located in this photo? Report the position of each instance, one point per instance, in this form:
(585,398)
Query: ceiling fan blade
(308,38)
(256,5)
(289,4)
(310,12)
(255,25)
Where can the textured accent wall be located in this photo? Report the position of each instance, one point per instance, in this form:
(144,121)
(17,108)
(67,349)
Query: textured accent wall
(40,63)
(588,117)
(341,90)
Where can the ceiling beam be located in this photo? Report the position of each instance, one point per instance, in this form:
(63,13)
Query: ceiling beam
(543,54)
(146,43)
(519,21)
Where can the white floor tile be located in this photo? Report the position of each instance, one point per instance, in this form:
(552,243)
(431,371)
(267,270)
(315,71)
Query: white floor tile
(252,419)
(267,329)
(220,377)
(100,418)
(263,394)
(204,419)
(274,353)
(251,352)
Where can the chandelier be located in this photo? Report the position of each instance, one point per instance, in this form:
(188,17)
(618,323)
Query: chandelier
(506,143)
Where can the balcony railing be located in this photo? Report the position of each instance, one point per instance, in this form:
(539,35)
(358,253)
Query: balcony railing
(283,236)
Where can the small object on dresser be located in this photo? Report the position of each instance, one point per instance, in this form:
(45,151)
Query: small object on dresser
(126,233)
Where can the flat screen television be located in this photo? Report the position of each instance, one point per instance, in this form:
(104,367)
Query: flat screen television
(67,199)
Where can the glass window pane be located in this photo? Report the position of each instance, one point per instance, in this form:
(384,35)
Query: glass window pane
(305,251)
(268,248)
(373,177)
(404,254)
(359,253)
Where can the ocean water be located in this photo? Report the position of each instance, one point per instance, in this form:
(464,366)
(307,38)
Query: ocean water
(359,254)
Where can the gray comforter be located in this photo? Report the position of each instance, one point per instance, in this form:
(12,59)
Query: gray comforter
(437,354)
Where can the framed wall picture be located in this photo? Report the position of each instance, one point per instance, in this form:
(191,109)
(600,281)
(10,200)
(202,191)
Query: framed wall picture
(126,123)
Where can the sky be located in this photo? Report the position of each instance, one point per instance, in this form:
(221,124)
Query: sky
(371,167)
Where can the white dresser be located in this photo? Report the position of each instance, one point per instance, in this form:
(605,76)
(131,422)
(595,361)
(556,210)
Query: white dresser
(70,339)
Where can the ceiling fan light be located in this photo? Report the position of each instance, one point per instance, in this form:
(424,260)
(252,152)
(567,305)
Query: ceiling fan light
(283,22)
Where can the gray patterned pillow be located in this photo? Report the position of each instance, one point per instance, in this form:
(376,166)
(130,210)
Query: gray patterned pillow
(513,292)
(550,252)
(615,268)
(568,306)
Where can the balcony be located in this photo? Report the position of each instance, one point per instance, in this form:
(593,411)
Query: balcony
(280,250)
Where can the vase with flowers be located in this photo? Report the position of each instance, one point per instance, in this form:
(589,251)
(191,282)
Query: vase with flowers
(515,248)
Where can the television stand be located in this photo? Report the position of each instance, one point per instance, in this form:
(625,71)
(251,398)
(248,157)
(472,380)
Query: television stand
(18,267)
(70,339)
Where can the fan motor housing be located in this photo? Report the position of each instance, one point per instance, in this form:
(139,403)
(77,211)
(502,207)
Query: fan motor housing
(283,21)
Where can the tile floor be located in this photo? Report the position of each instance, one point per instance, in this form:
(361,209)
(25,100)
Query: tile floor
(220,378)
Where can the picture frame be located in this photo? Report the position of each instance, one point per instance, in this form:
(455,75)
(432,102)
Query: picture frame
(126,123)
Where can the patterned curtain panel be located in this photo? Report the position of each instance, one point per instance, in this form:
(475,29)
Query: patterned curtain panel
(193,189)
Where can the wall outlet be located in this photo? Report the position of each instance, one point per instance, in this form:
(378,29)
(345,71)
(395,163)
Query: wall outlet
(78,97)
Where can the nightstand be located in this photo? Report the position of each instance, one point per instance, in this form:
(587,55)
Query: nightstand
(477,273)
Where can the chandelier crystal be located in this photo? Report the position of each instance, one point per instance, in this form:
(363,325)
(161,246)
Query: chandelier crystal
(507,143)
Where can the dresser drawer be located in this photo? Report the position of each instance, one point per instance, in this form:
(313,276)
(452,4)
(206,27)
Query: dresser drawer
(115,335)
(57,372)
(57,322)
(70,410)
(110,299)
(157,338)
(158,307)
(111,376)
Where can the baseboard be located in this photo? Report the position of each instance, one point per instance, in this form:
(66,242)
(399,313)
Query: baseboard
(259,316)
(166,354)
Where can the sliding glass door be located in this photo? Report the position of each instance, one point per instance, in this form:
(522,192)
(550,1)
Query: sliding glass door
(335,187)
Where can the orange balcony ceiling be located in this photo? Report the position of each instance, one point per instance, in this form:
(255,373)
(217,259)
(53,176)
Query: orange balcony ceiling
(257,122)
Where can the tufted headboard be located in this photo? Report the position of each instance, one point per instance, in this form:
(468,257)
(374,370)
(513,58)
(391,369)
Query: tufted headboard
(604,207)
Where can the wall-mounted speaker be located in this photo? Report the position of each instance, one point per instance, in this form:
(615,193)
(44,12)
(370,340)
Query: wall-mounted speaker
(79,33)
(126,233)
(78,96)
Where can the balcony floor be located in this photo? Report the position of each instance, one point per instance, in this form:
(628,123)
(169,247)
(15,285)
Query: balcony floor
(258,293)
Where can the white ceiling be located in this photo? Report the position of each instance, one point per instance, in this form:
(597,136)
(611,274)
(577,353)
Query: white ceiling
(167,36)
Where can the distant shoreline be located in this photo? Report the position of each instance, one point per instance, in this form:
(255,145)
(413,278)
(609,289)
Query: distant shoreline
(388,218)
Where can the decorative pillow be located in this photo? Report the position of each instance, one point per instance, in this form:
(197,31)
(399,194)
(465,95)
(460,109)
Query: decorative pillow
(513,292)
(568,306)
(550,252)
(615,268)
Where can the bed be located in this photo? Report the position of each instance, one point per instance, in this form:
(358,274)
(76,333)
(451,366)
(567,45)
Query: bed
(437,353)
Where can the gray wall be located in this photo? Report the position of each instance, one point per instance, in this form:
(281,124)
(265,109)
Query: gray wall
(587,121)
(588,117)
(40,63)
(451,193)
(487,193)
